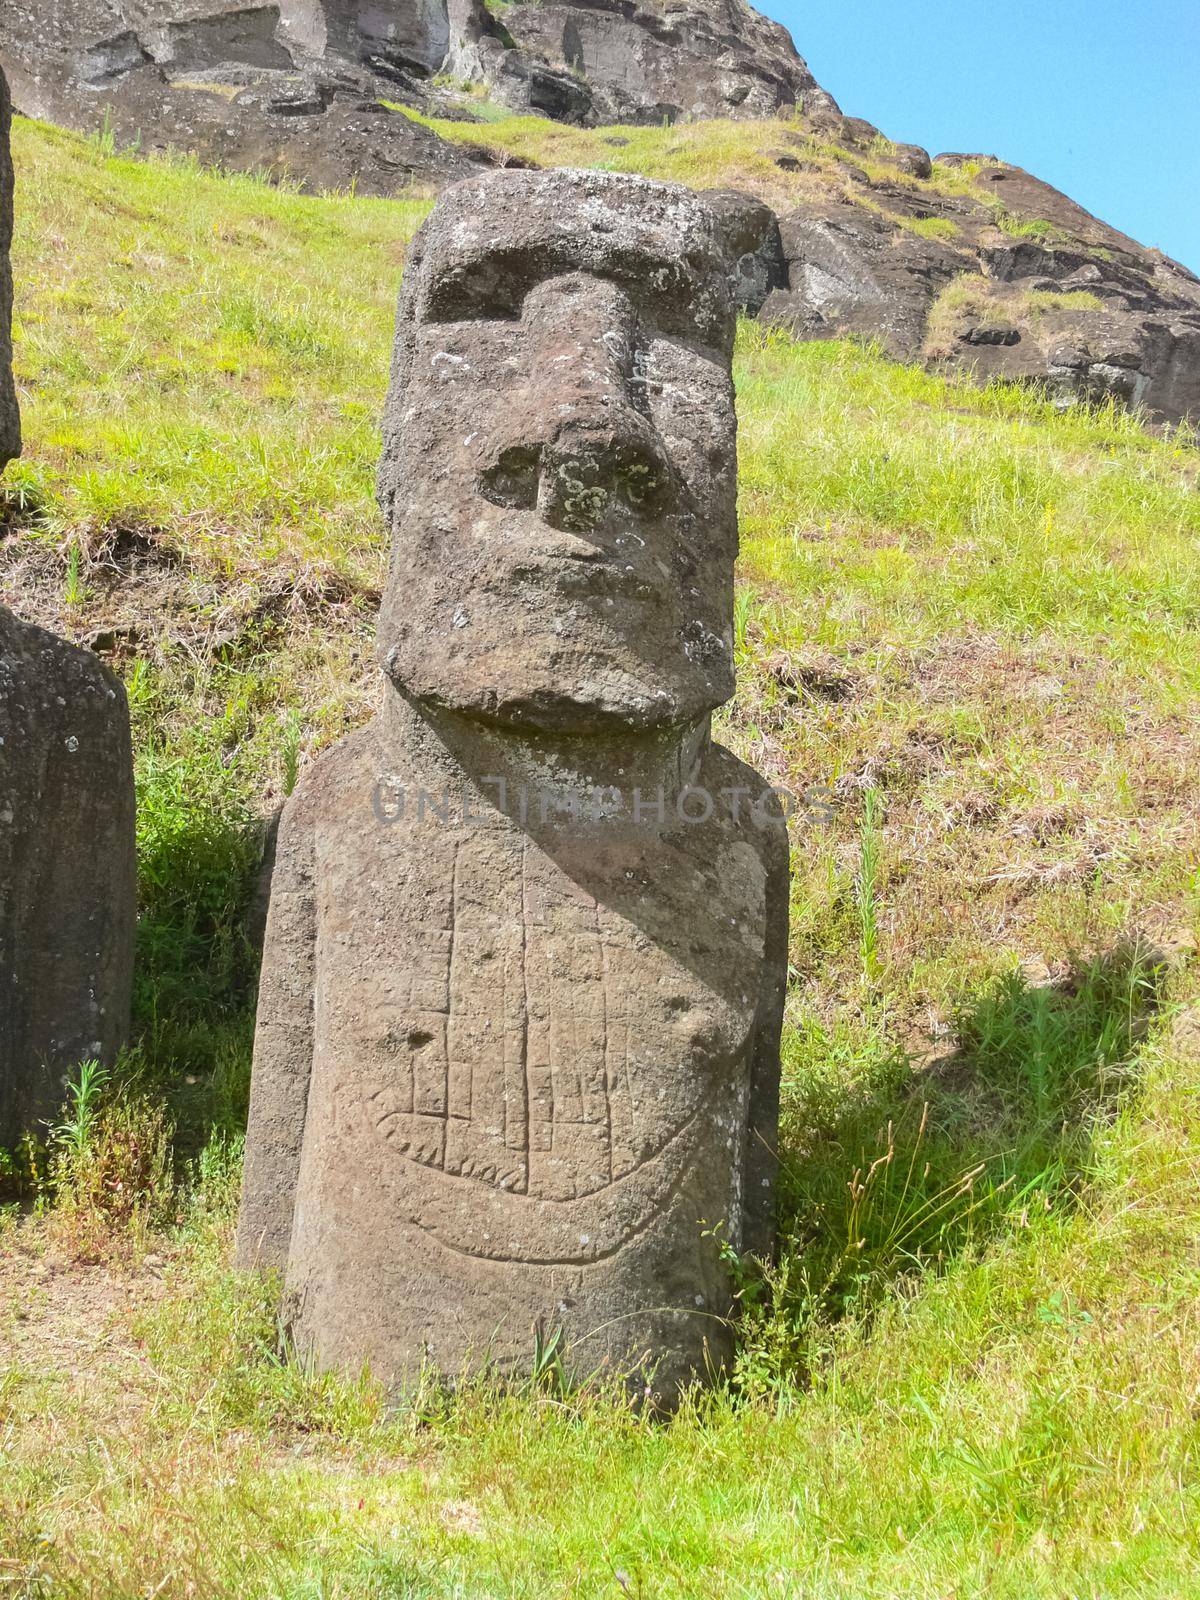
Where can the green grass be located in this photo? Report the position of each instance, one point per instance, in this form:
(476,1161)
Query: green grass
(967,622)
(1026,227)
(256,388)
(705,154)
(943,228)
(1041,300)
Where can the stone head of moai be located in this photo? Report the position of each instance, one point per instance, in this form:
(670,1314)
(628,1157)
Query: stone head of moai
(559,467)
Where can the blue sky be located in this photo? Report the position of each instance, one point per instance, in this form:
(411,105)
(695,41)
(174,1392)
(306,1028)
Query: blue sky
(1100,99)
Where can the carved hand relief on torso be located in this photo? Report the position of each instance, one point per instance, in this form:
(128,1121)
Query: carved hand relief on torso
(499,1029)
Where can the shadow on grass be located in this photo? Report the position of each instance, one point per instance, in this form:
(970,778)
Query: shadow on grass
(196,973)
(890,1168)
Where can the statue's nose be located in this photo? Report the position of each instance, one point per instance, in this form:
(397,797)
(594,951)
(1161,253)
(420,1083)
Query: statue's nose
(586,450)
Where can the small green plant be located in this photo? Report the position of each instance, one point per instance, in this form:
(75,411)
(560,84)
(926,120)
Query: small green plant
(743,609)
(293,733)
(139,686)
(104,140)
(23,1169)
(866,885)
(1026,227)
(74,588)
(110,1175)
(214,1180)
(71,1139)
(547,1373)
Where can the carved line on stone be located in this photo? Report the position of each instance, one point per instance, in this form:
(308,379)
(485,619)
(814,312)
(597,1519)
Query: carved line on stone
(548,1105)
(429,1198)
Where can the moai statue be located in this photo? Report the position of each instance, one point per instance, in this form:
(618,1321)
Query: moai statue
(518,1028)
(66,831)
(10,422)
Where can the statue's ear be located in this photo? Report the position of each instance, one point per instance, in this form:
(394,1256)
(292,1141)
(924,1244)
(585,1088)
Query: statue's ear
(387,476)
(386,482)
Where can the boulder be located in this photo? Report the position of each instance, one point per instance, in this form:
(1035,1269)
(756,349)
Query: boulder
(246,34)
(519,1017)
(405,38)
(657,62)
(913,160)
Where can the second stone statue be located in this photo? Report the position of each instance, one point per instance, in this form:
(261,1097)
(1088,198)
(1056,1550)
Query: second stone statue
(517,1059)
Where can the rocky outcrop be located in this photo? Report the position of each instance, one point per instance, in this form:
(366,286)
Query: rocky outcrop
(295,89)
(1000,276)
(393,39)
(640,62)
(299,86)
(848,272)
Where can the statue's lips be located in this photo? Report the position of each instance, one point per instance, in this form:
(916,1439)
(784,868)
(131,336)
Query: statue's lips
(599,565)
(578,577)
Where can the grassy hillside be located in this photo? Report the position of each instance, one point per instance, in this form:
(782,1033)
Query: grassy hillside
(784,159)
(966,622)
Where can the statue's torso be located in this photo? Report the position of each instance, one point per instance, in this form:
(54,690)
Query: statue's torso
(536,1042)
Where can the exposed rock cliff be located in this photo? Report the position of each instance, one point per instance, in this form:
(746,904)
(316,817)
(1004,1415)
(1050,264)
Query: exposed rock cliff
(625,61)
(301,85)
(1004,277)
(295,89)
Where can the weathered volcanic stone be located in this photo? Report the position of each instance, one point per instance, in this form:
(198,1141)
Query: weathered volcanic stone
(315,73)
(643,63)
(850,272)
(510,1059)
(1073,306)
(10,423)
(292,89)
(415,35)
(67,911)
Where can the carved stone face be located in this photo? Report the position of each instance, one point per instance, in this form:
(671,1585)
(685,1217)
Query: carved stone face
(559,467)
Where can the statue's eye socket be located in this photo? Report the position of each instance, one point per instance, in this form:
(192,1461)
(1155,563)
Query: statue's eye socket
(513,479)
(476,293)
